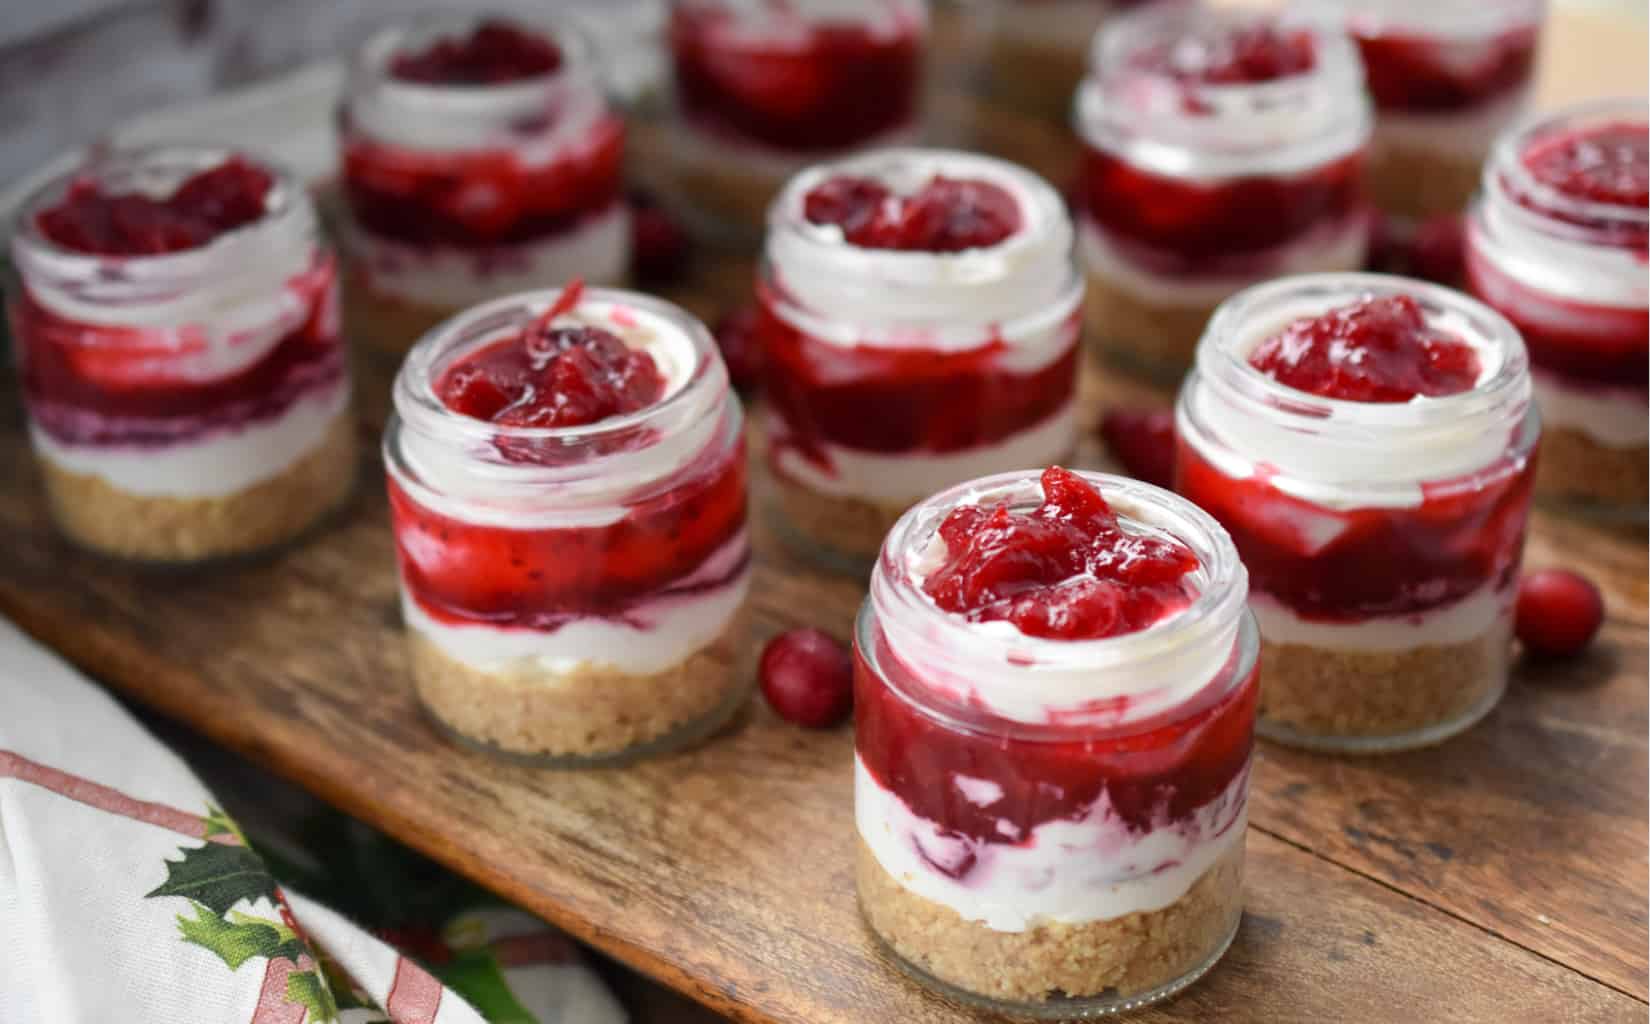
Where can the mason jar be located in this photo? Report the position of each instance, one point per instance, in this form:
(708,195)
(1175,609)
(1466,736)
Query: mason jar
(480,158)
(174,312)
(1053,827)
(1383,538)
(573,594)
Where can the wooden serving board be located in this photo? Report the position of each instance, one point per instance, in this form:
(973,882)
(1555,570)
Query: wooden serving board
(1498,878)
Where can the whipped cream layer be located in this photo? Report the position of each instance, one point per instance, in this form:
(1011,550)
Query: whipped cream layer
(653,636)
(907,477)
(1339,246)
(216,464)
(1472,617)
(468,482)
(1464,135)
(1019,291)
(597,249)
(1071,872)
(1612,417)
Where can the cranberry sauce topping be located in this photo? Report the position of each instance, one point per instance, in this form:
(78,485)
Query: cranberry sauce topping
(94,384)
(548,376)
(1239,55)
(903,400)
(1152,774)
(1349,565)
(482,198)
(1409,72)
(945,215)
(463,572)
(208,204)
(1067,570)
(1607,163)
(801,86)
(493,53)
(1202,226)
(1373,350)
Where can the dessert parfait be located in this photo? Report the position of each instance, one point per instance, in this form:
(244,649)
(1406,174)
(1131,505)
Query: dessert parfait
(1557,243)
(480,159)
(175,317)
(1447,77)
(1222,147)
(1370,444)
(919,322)
(567,490)
(1054,711)
(764,88)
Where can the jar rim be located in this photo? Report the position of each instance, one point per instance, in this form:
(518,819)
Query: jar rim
(1460,18)
(1554,213)
(371,61)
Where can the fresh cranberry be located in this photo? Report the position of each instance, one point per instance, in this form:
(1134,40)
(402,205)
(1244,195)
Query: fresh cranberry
(1559,612)
(208,204)
(659,245)
(1439,250)
(737,336)
(1243,55)
(808,678)
(1372,350)
(1143,441)
(493,53)
(1066,571)
(1607,163)
(945,215)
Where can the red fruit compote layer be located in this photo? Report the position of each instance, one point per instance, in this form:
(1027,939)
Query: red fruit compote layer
(919,326)
(1557,244)
(480,159)
(1369,442)
(567,489)
(1055,700)
(176,324)
(764,87)
(1221,148)
(1447,77)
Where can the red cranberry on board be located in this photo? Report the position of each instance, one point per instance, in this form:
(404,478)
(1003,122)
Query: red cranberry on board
(736,336)
(1438,252)
(1143,441)
(808,678)
(659,245)
(1559,612)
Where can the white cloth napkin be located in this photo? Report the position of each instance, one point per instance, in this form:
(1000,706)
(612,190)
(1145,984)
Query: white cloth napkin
(127,895)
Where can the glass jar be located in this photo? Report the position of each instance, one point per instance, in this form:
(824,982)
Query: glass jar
(893,374)
(184,405)
(1447,76)
(1053,828)
(1383,540)
(1570,273)
(574,594)
(459,192)
(1192,191)
(764,88)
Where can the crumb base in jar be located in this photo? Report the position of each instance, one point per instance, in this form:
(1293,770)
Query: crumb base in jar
(1578,475)
(1056,970)
(1368,702)
(379,322)
(590,714)
(837,531)
(1415,181)
(453,278)
(98,516)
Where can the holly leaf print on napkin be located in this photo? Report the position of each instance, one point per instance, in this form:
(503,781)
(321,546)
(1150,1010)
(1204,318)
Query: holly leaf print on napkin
(217,875)
(239,937)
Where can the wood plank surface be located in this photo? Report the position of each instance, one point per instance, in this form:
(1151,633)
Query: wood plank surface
(1501,877)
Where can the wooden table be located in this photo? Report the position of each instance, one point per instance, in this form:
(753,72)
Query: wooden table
(1501,877)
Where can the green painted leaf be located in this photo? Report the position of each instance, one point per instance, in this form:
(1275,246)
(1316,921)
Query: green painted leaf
(236,941)
(476,975)
(309,990)
(218,876)
(220,824)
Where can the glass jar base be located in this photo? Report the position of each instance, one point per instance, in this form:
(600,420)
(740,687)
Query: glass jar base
(1087,1008)
(1414,739)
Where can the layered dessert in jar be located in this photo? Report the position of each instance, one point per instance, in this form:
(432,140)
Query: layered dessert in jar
(175,318)
(1370,444)
(1221,147)
(1557,243)
(763,88)
(567,490)
(1055,688)
(919,324)
(1447,77)
(480,159)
